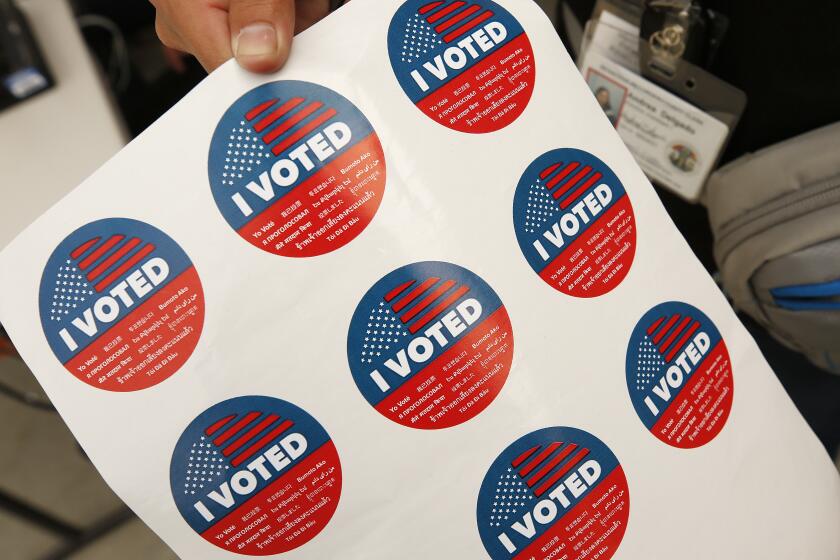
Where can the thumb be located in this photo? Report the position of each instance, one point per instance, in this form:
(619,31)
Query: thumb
(261,33)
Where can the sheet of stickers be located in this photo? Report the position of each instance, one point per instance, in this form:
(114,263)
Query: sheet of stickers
(409,298)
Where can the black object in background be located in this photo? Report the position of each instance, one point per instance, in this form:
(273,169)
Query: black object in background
(23,72)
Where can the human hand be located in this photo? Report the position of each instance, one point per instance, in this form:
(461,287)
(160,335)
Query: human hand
(257,32)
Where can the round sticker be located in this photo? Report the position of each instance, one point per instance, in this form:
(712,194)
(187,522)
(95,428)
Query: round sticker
(256,475)
(574,223)
(430,345)
(679,375)
(554,493)
(121,304)
(296,169)
(467,65)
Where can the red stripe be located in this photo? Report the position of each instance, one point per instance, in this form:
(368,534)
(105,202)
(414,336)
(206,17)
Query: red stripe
(577,194)
(655,326)
(248,453)
(664,330)
(556,460)
(80,250)
(114,239)
(682,341)
(572,182)
(120,253)
(277,113)
(521,459)
(425,319)
(249,435)
(467,26)
(541,456)
(125,266)
(559,474)
(398,290)
(284,126)
(426,301)
(429,7)
(312,125)
(410,296)
(457,17)
(444,12)
(674,334)
(555,180)
(218,425)
(549,170)
(230,432)
(254,113)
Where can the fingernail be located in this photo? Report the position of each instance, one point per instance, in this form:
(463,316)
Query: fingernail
(256,39)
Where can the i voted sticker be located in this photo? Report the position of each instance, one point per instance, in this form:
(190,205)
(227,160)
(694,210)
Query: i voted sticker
(679,375)
(256,475)
(121,304)
(574,223)
(467,65)
(430,345)
(296,169)
(554,493)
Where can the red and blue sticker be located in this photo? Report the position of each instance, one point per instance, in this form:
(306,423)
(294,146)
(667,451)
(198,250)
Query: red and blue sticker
(467,64)
(121,304)
(256,475)
(296,169)
(679,375)
(554,493)
(430,345)
(574,223)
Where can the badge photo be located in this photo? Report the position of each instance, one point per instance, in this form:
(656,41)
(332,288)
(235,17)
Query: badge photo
(467,65)
(430,345)
(121,304)
(256,475)
(296,169)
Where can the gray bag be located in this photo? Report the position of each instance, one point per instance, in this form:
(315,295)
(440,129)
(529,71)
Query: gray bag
(775,215)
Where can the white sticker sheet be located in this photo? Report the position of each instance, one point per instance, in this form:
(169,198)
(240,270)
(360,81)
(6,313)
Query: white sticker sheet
(410,297)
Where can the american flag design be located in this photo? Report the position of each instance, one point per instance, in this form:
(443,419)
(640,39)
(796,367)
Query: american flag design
(555,191)
(224,441)
(528,472)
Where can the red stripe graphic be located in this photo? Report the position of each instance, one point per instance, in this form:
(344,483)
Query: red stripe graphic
(426,301)
(572,182)
(682,341)
(444,12)
(583,188)
(554,181)
(664,330)
(467,26)
(115,256)
(655,326)
(251,451)
(549,170)
(269,119)
(429,7)
(90,259)
(674,334)
(81,249)
(457,17)
(398,290)
(137,257)
(522,458)
(546,486)
(230,432)
(556,460)
(427,318)
(541,456)
(287,143)
(412,295)
(255,112)
(215,427)
(284,126)
(248,436)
